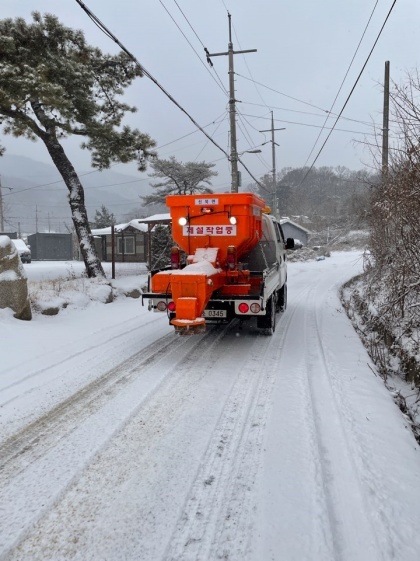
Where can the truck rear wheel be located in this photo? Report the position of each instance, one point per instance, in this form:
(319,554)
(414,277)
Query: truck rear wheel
(282,300)
(268,322)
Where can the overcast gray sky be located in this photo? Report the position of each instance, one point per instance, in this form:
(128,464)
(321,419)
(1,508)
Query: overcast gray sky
(304,51)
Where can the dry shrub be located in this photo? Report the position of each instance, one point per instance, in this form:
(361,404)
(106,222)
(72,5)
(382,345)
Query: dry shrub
(394,265)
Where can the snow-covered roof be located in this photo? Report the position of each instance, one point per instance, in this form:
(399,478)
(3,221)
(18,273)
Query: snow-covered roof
(137,223)
(20,245)
(156,217)
(288,221)
(120,228)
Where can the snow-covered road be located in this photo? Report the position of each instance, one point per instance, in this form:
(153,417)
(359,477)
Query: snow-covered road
(122,441)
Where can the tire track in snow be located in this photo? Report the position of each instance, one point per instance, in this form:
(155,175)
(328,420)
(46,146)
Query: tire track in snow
(352,527)
(313,522)
(223,528)
(358,456)
(86,351)
(159,409)
(215,519)
(234,537)
(27,400)
(35,439)
(110,402)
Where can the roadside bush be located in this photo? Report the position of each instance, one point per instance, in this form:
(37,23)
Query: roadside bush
(393,287)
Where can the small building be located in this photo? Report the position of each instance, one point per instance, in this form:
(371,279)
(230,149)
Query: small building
(51,246)
(130,242)
(132,239)
(11,235)
(296,231)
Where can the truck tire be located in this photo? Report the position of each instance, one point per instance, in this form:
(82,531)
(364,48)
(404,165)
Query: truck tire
(268,322)
(282,298)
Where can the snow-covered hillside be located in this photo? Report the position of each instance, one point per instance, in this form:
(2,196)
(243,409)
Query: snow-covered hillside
(122,441)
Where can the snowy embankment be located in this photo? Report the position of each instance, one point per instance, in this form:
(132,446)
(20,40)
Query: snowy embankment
(392,345)
(123,441)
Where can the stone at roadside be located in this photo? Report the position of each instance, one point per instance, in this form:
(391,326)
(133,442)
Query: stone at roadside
(13,282)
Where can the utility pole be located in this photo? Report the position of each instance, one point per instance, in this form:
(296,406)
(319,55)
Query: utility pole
(1,210)
(385,128)
(273,155)
(232,107)
(36,218)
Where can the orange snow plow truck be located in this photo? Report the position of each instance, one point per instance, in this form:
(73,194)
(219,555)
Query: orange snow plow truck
(235,264)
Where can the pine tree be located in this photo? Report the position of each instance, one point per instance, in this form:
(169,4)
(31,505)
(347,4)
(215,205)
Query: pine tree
(179,179)
(103,218)
(54,85)
(161,247)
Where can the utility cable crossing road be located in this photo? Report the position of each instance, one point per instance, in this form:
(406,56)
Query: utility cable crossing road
(137,444)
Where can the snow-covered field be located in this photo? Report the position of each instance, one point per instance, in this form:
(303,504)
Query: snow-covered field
(122,441)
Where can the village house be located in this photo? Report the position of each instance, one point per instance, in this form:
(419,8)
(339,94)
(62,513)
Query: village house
(296,231)
(132,240)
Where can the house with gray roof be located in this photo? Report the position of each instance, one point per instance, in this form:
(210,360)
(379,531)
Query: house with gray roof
(132,240)
(293,230)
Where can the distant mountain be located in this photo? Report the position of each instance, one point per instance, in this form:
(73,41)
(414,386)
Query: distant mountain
(34,194)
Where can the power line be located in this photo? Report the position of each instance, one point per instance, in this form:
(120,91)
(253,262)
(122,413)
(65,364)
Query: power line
(206,143)
(342,83)
(284,109)
(186,19)
(394,149)
(250,141)
(105,30)
(195,131)
(282,93)
(303,112)
(202,44)
(13,190)
(246,64)
(225,6)
(366,123)
(220,83)
(310,125)
(243,115)
(351,92)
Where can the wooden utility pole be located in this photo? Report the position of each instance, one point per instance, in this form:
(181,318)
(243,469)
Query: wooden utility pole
(273,154)
(232,108)
(113,251)
(385,127)
(1,210)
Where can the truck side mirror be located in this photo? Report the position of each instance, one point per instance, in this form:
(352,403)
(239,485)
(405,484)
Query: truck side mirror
(290,243)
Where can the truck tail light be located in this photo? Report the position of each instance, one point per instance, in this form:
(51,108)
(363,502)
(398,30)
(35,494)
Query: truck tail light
(175,258)
(243,307)
(161,306)
(171,306)
(255,308)
(231,257)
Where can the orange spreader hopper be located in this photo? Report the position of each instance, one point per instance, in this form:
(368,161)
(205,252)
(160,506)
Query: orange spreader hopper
(214,231)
